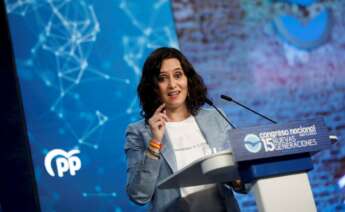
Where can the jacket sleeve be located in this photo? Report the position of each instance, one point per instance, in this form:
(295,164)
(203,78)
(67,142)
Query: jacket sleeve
(142,171)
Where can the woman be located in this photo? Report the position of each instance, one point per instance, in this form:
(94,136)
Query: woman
(175,131)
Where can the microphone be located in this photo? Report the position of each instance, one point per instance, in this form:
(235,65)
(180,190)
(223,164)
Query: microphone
(332,138)
(228,98)
(209,102)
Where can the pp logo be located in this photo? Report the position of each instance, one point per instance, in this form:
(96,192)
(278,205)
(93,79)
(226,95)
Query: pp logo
(252,143)
(65,161)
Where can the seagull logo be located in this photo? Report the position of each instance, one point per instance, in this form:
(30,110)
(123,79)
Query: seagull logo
(304,24)
(252,143)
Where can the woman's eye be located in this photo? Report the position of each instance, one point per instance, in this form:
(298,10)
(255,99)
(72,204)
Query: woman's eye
(161,78)
(178,75)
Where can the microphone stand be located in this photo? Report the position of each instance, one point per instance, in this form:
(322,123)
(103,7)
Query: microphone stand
(209,102)
(228,98)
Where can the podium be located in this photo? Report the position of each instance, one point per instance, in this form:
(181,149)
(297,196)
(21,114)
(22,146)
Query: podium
(272,161)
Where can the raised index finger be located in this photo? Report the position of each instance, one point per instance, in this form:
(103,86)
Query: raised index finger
(160,108)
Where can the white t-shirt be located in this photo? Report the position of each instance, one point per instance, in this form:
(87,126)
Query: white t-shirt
(189,145)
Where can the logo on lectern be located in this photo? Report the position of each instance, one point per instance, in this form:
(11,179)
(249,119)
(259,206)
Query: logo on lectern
(252,143)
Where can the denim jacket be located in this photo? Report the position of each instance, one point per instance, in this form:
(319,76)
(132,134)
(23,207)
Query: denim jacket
(143,173)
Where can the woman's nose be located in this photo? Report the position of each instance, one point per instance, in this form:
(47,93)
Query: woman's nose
(172,83)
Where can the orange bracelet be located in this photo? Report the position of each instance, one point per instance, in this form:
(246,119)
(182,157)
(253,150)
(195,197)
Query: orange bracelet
(156,144)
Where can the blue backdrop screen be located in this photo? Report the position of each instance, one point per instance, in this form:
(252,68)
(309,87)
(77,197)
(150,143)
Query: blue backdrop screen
(79,63)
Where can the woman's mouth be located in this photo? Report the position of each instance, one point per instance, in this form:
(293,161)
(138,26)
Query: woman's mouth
(173,93)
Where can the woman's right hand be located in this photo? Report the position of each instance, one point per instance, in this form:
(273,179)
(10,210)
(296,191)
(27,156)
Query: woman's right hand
(157,122)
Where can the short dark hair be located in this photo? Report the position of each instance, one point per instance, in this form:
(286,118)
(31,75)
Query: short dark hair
(148,90)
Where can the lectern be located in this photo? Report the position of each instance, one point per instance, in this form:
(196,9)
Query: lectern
(271,160)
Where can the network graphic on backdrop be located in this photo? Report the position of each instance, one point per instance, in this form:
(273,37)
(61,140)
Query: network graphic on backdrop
(70,40)
(81,62)
(68,35)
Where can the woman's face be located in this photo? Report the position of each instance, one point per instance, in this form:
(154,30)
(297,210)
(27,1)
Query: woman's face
(173,84)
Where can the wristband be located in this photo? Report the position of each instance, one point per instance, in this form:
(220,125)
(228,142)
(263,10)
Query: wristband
(156,144)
